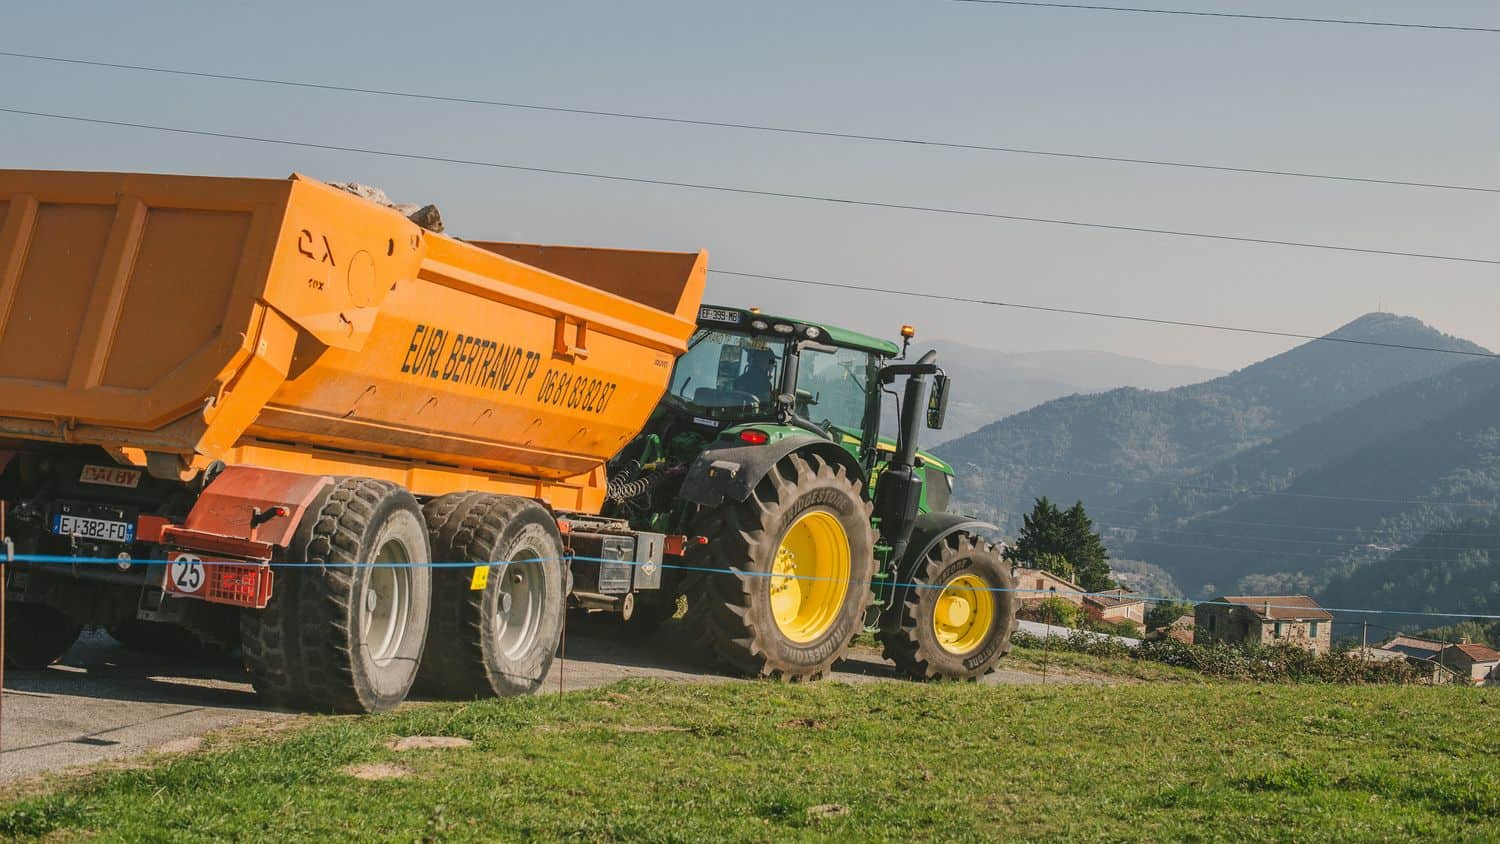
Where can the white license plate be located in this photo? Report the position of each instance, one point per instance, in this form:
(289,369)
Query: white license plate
(87,528)
(111,476)
(719,315)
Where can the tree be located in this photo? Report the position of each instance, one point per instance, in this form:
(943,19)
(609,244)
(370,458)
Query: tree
(1086,551)
(1049,533)
(1055,563)
(1056,611)
(1160,615)
(1041,533)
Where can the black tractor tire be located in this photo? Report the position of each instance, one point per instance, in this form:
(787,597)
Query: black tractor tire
(346,636)
(37,635)
(907,630)
(499,640)
(731,612)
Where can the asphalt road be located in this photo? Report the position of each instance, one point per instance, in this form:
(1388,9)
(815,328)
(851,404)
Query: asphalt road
(102,702)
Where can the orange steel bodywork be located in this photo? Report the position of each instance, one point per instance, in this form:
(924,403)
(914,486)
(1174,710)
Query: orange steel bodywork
(285,324)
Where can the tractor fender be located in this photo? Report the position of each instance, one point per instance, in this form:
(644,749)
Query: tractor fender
(930,529)
(731,471)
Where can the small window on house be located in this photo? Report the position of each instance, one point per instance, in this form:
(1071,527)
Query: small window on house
(1213,623)
(1280,629)
(1039,583)
(1312,630)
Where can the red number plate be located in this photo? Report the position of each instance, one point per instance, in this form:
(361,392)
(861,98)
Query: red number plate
(111,476)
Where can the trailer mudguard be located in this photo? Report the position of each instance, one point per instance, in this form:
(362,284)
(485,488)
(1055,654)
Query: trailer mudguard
(731,471)
(930,529)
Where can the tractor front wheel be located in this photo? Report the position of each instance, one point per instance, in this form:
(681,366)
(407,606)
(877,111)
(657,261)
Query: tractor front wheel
(796,560)
(956,618)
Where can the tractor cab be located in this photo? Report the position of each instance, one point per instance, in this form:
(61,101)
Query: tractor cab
(747,375)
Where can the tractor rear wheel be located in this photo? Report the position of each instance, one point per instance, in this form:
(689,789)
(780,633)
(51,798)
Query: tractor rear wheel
(499,640)
(955,621)
(347,635)
(797,557)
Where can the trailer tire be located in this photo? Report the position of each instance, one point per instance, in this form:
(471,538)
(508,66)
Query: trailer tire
(346,636)
(788,627)
(37,635)
(499,640)
(956,623)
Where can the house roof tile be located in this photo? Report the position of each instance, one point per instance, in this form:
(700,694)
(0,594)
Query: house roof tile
(1280,607)
(1478,653)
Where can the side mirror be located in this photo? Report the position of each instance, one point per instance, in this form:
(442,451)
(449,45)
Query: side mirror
(937,402)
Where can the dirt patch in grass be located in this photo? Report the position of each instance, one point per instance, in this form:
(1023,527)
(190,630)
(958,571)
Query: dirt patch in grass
(377,771)
(427,743)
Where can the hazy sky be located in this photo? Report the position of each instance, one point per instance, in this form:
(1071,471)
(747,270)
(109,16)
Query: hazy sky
(1387,103)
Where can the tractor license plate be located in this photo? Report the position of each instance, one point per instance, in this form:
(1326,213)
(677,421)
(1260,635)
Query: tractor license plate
(718,315)
(85,527)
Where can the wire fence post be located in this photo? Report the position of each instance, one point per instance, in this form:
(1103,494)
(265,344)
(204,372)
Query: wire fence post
(1046,640)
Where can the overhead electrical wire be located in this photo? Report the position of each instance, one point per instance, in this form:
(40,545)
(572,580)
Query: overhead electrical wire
(1211,520)
(1089,7)
(751,127)
(972,300)
(1326,543)
(744,191)
(1258,492)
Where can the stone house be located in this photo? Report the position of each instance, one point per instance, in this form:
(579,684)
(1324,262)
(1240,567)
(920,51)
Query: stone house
(1414,648)
(1423,654)
(1034,586)
(1478,664)
(1117,605)
(1180,629)
(1264,619)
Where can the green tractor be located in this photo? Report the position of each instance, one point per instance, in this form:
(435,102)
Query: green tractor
(804,525)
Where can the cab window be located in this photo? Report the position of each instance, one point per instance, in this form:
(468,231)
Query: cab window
(832,387)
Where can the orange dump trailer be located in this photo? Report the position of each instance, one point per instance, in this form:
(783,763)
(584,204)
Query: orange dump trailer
(298,406)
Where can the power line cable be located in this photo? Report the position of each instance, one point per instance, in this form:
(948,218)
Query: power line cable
(1323,543)
(1232,15)
(743,191)
(1100,314)
(751,127)
(1259,492)
(1189,521)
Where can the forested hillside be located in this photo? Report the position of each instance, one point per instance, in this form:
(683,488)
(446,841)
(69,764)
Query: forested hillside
(1456,569)
(1115,448)
(990,385)
(1349,488)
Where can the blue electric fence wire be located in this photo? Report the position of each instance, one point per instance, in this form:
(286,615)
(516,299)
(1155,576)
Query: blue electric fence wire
(53,559)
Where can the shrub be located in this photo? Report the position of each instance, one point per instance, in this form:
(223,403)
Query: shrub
(1276,663)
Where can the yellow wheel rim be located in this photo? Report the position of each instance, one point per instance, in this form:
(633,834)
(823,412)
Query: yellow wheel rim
(963,614)
(810,576)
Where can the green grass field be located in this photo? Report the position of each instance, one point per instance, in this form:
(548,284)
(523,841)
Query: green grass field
(760,761)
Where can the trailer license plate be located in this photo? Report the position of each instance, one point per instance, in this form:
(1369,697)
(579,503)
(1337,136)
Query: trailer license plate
(84,527)
(110,476)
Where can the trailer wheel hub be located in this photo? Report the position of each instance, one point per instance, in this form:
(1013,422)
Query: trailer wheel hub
(388,596)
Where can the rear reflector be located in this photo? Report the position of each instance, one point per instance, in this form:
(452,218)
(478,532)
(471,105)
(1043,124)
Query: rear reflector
(236,582)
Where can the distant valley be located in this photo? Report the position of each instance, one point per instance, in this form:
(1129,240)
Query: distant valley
(1307,471)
